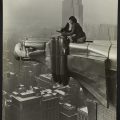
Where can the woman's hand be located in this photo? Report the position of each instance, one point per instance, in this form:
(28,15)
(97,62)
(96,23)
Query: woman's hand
(63,33)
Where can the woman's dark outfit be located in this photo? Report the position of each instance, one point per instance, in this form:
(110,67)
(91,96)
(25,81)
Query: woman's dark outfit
(75,33)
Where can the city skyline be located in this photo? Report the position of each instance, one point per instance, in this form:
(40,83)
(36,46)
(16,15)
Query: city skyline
(44,13)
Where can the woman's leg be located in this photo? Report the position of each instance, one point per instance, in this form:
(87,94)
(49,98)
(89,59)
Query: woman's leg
(77,39)
(81,40)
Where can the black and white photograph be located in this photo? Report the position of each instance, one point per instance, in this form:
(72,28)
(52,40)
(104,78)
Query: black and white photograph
(59,59)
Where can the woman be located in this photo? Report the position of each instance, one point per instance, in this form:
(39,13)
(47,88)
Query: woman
(76,33)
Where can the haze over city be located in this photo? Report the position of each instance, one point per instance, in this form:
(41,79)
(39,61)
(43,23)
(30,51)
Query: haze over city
(44,13)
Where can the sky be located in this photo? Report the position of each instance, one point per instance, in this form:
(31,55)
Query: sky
(48,13)
(43,13)
(100,11)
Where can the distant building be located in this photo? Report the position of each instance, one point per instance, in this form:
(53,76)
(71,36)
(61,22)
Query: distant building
(72,7)
(11,82)
(50,107)
(29,106)
(44,81)
(68,112)
(82,113)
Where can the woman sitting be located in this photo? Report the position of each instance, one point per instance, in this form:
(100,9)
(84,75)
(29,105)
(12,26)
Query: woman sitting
(74,31)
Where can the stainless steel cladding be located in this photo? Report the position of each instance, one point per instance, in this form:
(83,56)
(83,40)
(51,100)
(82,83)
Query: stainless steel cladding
(53,58)
(94,65)
(59,60)
(99,49)
(29,49)
(63,60)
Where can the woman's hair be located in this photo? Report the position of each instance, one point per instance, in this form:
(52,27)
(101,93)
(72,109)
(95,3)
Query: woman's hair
(72,18)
